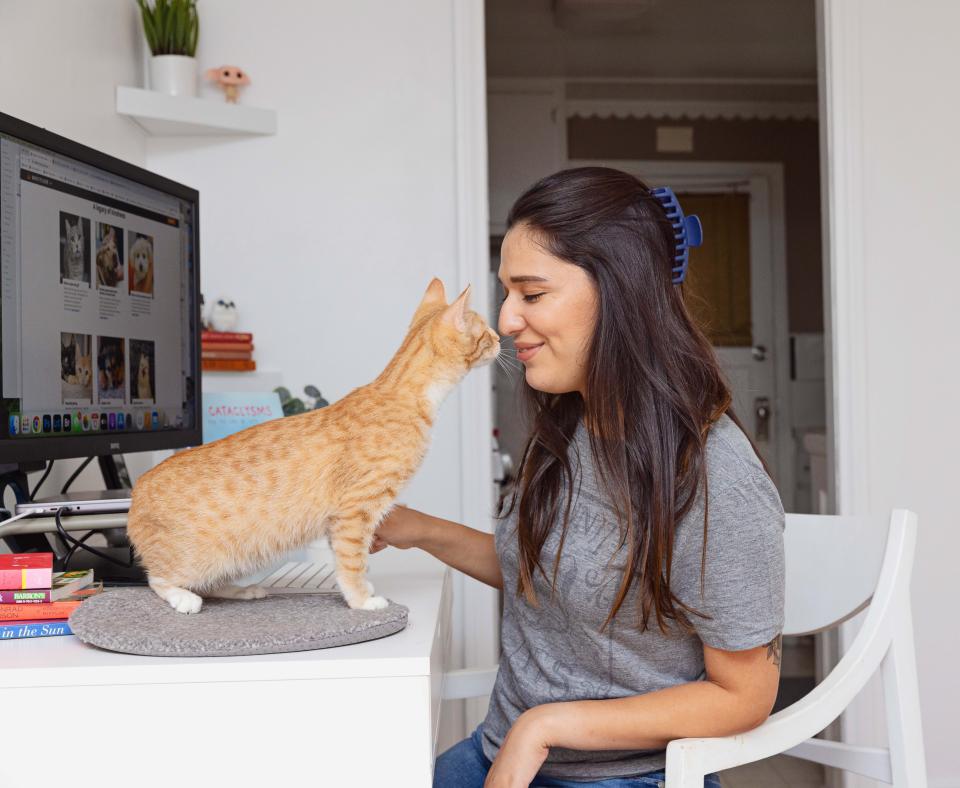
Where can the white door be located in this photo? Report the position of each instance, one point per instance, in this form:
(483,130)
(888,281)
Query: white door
(730,285)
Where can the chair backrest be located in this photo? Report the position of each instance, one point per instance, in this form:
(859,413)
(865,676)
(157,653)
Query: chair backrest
(832,567)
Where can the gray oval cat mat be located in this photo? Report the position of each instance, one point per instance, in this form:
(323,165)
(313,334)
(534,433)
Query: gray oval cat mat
(137,621)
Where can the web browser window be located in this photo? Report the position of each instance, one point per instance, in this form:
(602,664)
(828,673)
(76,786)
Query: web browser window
(94,298)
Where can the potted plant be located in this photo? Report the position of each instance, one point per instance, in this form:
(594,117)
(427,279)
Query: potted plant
(171,28)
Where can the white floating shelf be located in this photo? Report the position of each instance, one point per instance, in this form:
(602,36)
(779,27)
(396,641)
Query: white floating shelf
(181,116)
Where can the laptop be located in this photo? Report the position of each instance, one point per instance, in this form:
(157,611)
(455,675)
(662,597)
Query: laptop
(98,502)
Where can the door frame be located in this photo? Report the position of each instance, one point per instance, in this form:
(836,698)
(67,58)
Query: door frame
(477,644)
(764,183)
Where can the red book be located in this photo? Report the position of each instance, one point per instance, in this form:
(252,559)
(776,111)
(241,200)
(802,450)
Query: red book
(43,610)
(218,346)
(26,570)
(225,336)
(226,354)
(228,365)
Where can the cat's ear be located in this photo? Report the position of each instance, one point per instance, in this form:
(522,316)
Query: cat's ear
(456,314)
(435,296)
(435,293)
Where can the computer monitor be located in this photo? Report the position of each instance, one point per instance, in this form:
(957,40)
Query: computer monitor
(99,302)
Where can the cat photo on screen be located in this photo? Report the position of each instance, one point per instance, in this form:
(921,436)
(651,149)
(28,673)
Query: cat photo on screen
(109,255)
(74,248)
(76,368)
(203,518)
(111,377)
(141,264)
(142,366)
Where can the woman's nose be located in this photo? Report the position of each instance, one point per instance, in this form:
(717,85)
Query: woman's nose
(510,320)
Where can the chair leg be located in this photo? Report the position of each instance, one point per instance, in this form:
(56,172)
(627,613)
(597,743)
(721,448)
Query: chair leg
(902,698)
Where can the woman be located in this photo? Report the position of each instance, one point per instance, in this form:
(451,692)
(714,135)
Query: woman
(633,613)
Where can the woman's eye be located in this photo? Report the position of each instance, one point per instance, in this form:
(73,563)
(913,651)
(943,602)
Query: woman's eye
(532,298)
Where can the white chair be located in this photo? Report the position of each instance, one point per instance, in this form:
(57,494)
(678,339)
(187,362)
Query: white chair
(835,567)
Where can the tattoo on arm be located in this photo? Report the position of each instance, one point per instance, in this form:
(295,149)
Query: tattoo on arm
(774,649)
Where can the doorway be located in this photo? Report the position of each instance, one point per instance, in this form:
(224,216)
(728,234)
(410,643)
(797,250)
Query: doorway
(643,87)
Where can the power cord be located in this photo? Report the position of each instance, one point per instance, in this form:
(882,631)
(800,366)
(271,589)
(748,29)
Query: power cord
(75,474)
(67,538)
(43,478)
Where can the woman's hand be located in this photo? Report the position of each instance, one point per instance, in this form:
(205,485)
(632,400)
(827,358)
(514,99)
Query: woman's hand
(523,752)
(402,528)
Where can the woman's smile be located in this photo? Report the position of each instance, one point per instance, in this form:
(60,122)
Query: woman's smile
(526,350)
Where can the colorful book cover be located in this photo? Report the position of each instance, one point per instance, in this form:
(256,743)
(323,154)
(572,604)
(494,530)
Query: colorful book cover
(42,611)
(226,336)
(227,412)
(228,364)
(64,584)
(25,570)
(224,346)
(33,629)
(221,354)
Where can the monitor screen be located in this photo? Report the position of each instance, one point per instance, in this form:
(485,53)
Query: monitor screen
(99,302)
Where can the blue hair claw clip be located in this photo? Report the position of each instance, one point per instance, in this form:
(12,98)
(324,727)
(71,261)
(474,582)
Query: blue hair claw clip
(687,230)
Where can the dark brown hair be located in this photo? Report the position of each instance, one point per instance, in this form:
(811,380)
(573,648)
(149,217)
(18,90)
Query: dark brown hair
(653,386)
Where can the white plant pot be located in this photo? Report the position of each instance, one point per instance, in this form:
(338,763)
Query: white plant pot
(175,75)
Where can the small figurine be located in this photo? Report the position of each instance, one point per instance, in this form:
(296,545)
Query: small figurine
(223,315)
(231,79)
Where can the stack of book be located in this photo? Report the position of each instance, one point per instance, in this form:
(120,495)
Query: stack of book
(35,601)
(227,351)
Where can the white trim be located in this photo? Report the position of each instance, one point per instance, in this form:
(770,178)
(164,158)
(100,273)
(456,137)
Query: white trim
(784,81)
(741,81)
(692,109)
(766,186)
(476,605)
(841,178)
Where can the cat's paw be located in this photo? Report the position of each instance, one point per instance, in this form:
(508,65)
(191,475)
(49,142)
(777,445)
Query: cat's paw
(184,601)
(252,592)
(374,603)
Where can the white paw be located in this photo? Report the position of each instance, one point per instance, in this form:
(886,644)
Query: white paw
(252,592)
(184,601)
(374,603)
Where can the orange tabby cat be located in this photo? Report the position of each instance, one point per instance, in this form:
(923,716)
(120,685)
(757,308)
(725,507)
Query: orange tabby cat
(218,512)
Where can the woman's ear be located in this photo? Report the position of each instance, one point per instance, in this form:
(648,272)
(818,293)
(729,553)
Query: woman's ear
(456,314)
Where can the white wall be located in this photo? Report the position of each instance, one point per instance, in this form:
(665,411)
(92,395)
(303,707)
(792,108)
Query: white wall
(895,277)
(327,234)
(59,64)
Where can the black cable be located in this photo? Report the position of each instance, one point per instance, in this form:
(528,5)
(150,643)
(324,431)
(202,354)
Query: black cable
(75,474)
(43,478)
(72,550)
(80,542)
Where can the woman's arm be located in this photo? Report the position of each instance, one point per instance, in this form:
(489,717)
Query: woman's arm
(463,548)
(737,695)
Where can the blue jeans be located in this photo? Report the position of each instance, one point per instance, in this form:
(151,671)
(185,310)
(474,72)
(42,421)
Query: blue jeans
(465,766)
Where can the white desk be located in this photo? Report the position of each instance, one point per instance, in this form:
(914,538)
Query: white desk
(361,715)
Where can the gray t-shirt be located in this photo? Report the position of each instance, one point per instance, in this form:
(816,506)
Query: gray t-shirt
(556,652)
